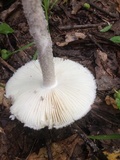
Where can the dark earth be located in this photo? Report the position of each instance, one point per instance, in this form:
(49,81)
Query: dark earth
(76,35)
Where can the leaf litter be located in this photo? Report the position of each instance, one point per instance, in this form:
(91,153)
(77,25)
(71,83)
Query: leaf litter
(97,53)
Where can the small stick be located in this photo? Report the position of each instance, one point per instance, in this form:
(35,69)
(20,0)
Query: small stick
(93,146)
(93,40)
(67,27)
(104,11)
(49,152)
(80,132)
(104,118)
(31,149)
(48,143)
(7,65)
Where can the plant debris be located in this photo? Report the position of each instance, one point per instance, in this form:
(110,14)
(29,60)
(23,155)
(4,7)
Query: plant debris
(76,35)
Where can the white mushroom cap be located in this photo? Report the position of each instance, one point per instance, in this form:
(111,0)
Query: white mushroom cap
(37,106)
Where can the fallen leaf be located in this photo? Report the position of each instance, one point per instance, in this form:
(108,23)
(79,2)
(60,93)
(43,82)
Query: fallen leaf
(5,14)
(80,35)
(2,91)
(102,55)
(106,82)
(107,28)
(115,39)
(60,150)
(34,156)
(6,102)
(70,37)
(3,143)
(111,101)
(112,156)
(100,60)
(76,6)
(117,5)
(106,66)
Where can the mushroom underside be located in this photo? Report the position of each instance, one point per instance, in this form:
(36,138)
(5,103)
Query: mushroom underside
(38,106)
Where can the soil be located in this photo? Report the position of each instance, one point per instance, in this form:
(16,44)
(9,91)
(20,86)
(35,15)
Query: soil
(76,35)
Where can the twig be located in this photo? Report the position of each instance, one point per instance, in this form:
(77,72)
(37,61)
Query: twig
(93,40)
(49,152)
(93,146)
(85,138)
(103,40)
(105,117)
(102,10)
(8,40)
(81,26)
(48,143)
(31,149)
(5,64)
(8,12)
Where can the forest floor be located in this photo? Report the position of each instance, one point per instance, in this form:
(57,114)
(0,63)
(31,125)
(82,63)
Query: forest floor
(76,35)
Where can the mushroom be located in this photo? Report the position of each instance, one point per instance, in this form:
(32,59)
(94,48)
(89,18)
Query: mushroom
(50,92)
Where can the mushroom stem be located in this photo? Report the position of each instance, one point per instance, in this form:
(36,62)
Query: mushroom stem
(38,28)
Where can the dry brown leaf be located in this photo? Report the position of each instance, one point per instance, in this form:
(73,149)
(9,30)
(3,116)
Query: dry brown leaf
(106,82)
(106,66)
(112,156)
(34,156)
(60,151)
(80,35)
(118,5)
(2,91)
(102,55)
(111,101)
(100,59)
(6,102)
(70,37)
(76,6)
(3,100)
(5,14)
(3,144)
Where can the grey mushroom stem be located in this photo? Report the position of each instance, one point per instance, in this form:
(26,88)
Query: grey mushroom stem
(38,28)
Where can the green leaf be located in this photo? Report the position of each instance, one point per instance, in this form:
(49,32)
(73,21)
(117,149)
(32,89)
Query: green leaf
(1,85)
(46,5)
(117,94)
(35,56)
(107,28)
(53,4)
(5,54)
(24,47)
(115,39)
(105,137)
(5,28)
(118,102)
(86,5)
